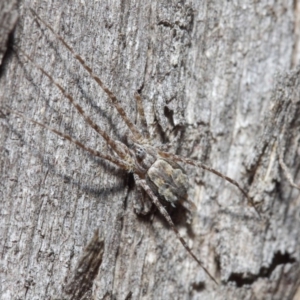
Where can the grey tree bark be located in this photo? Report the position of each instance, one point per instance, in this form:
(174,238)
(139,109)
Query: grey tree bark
(221,80)
(8,19)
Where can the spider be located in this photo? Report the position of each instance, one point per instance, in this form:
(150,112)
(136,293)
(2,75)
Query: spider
(155,171)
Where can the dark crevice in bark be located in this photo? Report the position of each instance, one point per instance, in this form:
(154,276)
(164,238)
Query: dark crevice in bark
(80,284)
(265,272)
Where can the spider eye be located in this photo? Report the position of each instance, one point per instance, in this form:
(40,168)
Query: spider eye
(140,152)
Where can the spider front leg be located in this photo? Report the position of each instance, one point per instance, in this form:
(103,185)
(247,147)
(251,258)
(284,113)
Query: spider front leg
(133,128)
(115,160)
(141,112)
(142,204)
(118,147)
(162,210)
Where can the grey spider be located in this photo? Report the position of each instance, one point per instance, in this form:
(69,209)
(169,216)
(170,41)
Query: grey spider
(155,171)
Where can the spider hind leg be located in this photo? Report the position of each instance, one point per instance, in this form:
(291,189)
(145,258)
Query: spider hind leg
(167,217)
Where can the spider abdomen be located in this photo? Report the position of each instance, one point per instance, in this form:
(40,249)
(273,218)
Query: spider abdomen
(168,181)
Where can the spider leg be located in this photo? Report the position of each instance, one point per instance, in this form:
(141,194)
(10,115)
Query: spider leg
(112,159)
(286,171)
(141,111)
(120,148)
(142,205)
(207,168)
(133,128)
(165,214)
(190,207)
(281,151)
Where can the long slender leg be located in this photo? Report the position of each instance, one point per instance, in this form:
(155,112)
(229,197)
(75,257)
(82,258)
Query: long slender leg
(142,205)
(286,171)
(120,148)
(112,159)
(133,128)
(165,214)
(207,168)
(281,150)
(142,115)
(190,207)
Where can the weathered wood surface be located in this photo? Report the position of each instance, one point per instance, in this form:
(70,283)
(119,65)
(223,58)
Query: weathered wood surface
(8,19)
(209,70)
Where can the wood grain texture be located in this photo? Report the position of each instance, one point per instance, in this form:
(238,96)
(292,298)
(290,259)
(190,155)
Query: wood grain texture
(8,20)
(208,73)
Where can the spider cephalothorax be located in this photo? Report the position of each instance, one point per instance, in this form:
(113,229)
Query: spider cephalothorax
(155,171)
(144,158)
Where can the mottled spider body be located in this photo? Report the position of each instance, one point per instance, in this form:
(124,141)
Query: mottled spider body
(166,178)
(155,171)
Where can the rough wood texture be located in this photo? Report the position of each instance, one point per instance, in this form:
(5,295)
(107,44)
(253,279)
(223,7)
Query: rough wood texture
(8,19)
(80,284)
(207,72)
